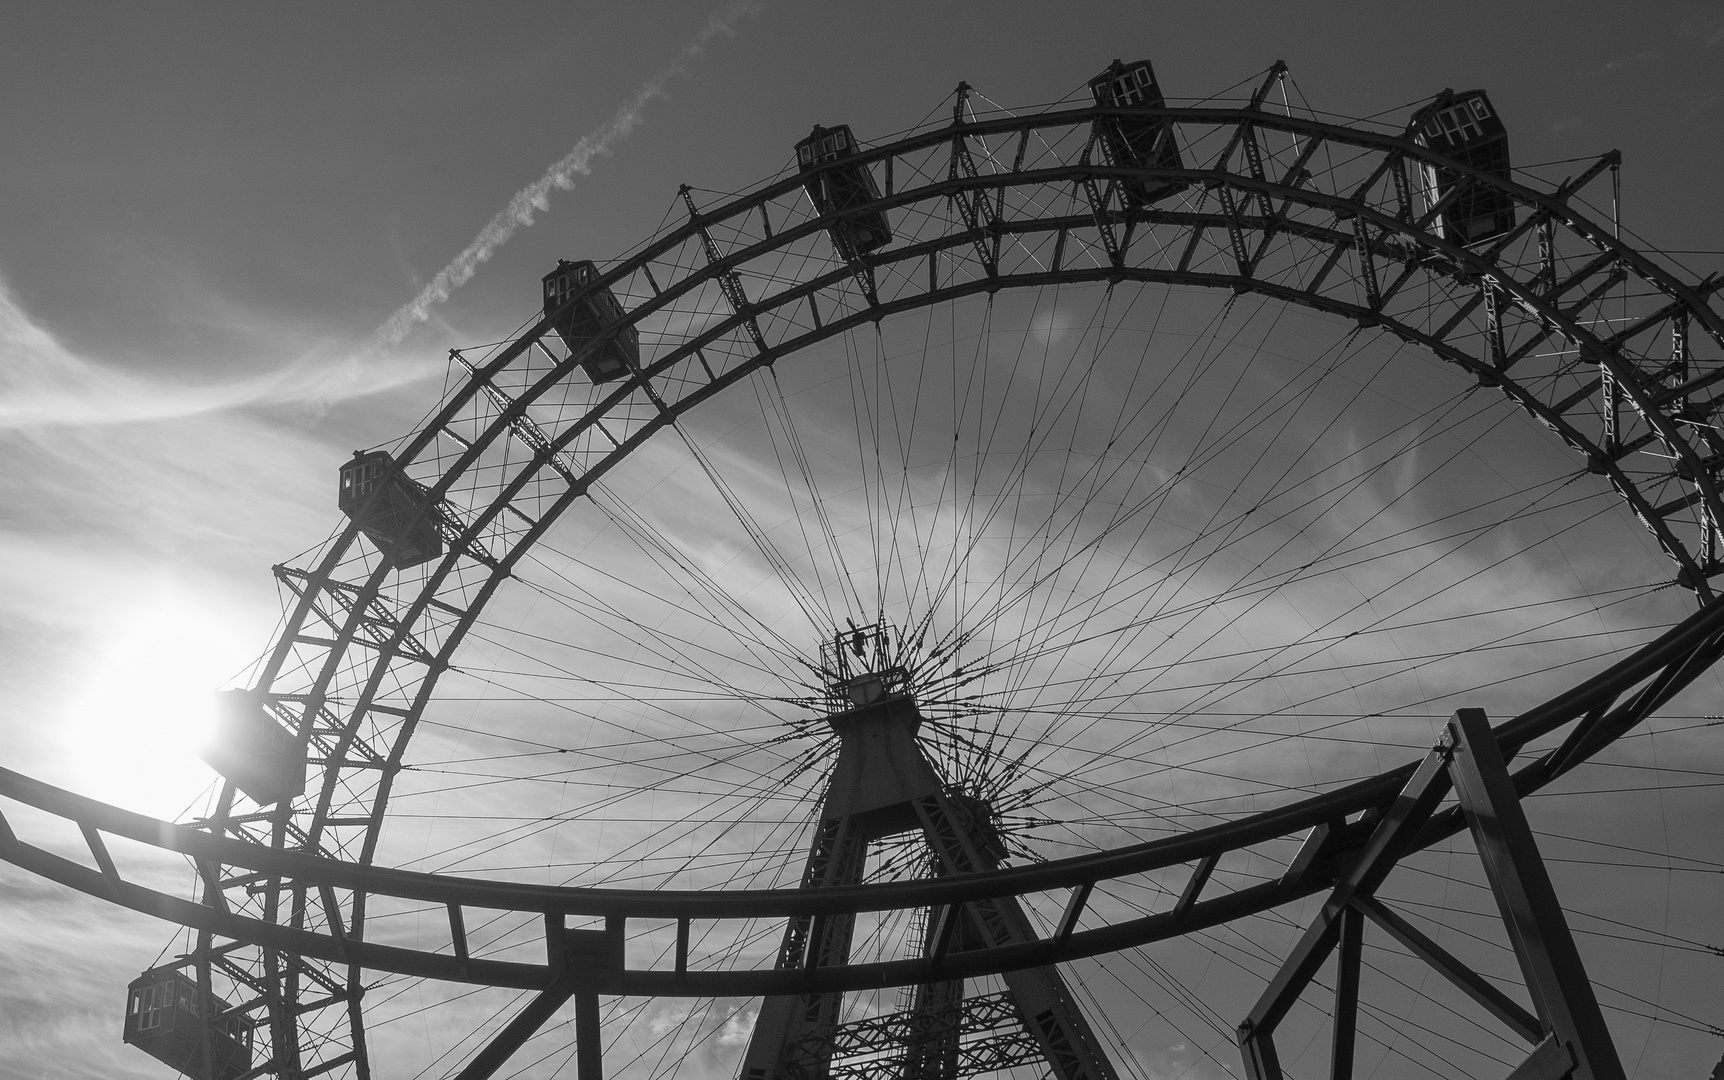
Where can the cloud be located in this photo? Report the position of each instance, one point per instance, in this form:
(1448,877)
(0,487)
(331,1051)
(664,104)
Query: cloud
(65,959)
(561,175)
(1716,36)
(44,383)
(1637,59)
(135,501)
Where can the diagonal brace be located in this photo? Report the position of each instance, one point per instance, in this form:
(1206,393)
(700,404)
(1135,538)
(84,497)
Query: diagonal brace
(1386,844)
(1470,982)
(520,1029)
(1540,935)
(578,959)
(1569,1030)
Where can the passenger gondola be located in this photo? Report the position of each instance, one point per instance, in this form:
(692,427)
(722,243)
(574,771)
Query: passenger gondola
(603,356)
(1132,142)
(168,1019)
(842,189)
(385,503)
(1466,128)
(250,748)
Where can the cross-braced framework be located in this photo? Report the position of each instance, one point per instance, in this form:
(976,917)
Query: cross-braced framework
(1568,1034)
(1035,603)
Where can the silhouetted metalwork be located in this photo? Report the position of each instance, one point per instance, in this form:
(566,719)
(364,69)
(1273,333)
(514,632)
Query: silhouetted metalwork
(1600,709)
(579,961)
(362,647)
(859,667)
(835,185)
(1568,1036)
(883,785)
(989,1030)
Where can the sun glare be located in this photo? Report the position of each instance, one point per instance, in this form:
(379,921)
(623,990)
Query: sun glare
(146,704)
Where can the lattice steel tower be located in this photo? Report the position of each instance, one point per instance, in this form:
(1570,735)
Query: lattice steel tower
(883,785)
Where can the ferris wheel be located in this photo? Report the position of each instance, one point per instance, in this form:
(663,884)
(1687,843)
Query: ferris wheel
(994,600)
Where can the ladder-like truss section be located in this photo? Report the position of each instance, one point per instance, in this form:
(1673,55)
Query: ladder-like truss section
(988,1031)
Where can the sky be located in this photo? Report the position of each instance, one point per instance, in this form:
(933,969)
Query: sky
(226,236)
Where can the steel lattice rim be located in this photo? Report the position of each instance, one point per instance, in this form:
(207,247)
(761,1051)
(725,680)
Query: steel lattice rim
(1466,266)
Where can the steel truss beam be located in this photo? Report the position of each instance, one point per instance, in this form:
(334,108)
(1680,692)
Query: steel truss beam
(1568,1035)
(989,1028)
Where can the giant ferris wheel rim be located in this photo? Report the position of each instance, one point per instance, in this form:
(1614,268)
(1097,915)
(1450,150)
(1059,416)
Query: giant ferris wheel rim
(934,137)
(1464,263)
(1474,263)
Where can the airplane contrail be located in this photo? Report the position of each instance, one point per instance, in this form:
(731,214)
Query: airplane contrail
(561,175)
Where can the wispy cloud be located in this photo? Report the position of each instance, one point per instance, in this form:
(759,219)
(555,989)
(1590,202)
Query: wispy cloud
(65,959)
(560,176)
(44,383)
(134,503)
(1622,63)
(1715,35)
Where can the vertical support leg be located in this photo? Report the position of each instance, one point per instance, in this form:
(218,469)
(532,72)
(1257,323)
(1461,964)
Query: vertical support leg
(283,1029)
(931,1044)
(791,1028)
(589,1051)
(578,961)
(1058,1026)
(1258,1050)
(1542,943)
(1346,995)
(206,1053)
(932,1050)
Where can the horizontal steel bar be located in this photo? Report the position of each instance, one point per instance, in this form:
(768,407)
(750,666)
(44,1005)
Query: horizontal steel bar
(1068,873)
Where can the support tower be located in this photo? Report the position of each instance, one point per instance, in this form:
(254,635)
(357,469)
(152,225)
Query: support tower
(884,785)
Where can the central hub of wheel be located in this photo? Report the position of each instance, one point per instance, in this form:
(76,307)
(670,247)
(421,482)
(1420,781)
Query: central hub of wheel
(883,783)
(880,770)
(863,664)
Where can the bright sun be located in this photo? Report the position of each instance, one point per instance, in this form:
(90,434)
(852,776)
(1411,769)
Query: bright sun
(145,704)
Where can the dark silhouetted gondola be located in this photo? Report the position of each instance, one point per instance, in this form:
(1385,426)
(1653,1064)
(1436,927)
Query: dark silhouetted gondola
(579,324)
(1137,142)
(840,189)
(1463,126)
(383,502)
(166,1018)
(251,749)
